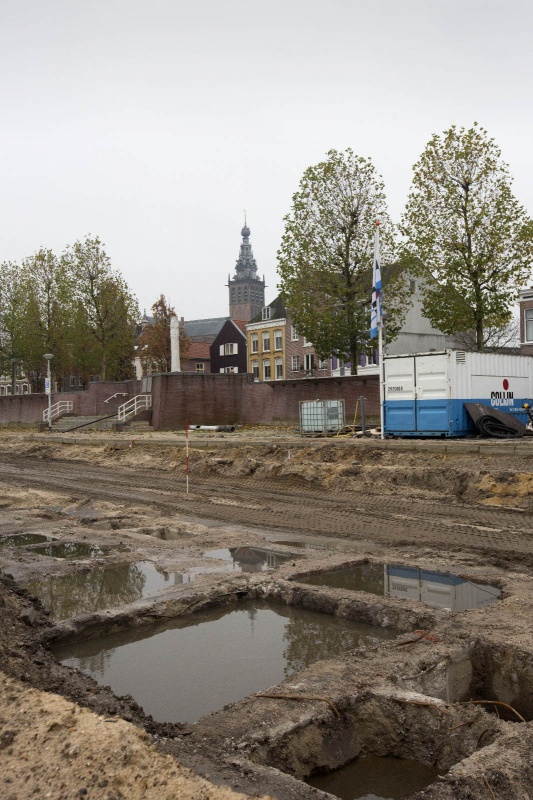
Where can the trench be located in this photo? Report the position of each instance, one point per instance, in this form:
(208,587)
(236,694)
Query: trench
(271,635)
(434,588)
(186,668)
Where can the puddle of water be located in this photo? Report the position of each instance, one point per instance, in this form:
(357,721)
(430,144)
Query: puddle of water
(436,589)
(71,550)
(251,559)
(185,669)
(103,587)
(310,544)
(376,778)
(22,539)
(83,513)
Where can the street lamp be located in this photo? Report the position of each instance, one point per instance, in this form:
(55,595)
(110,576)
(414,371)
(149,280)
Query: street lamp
(48,389)
(14,362)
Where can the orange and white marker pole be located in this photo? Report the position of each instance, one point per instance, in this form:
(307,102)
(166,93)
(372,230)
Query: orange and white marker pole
(187,454)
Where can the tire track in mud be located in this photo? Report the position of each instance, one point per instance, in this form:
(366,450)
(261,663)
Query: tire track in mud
(391,519)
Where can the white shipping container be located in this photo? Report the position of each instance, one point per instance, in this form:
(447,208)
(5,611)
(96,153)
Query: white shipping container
(424,394)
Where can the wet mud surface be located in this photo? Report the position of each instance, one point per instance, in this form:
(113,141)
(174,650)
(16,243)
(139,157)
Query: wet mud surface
(127,549)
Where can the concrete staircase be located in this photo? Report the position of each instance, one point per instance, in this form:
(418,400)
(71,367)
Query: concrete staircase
(140,424)
(89,423)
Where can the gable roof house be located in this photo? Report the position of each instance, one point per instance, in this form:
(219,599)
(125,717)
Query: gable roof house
(228,351)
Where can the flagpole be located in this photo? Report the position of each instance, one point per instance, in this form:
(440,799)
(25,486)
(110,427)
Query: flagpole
(381,383)
(376,325)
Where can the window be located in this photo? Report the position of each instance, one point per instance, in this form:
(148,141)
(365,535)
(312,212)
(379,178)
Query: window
(266,342)
(529,324)
(245,295)
(266,370)
(233,294)
(255,370)
(266,312)
(25,388)
(2,390)
(278,340)
(278,363)
(295,363)
(294,334)
(412,285)
(255,342)
(307,343)
(73,380)
(309,362)
(200,367)
(230,349)
(239,294)
(229,370)
(8,389)
(323,364)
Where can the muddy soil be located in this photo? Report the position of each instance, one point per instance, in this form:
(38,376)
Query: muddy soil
(440,508)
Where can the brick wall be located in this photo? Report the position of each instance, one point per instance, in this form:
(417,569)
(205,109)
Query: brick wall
(29,408)
(236,399)
(205,399)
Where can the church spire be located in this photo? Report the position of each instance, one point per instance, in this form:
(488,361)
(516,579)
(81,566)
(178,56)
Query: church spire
(245,266)
(246,289)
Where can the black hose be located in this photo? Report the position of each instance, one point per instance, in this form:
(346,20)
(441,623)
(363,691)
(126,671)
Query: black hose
(495,424)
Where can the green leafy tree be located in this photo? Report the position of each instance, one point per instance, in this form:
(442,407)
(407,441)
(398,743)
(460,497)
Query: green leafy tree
(467,234)
(154,341)
(44,312)
(8,290)
(110,309)
(326,256)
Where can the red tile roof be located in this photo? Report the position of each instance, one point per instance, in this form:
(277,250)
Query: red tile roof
(198,350)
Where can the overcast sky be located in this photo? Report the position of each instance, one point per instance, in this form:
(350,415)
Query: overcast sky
(154,124)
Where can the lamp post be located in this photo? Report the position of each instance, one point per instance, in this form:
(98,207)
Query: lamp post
(48,389)
(14,363)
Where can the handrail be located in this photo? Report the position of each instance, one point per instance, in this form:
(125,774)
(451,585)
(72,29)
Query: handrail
(134,406)
(62,407)
(117,394)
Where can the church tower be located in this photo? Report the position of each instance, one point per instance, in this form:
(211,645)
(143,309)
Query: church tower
(246,289)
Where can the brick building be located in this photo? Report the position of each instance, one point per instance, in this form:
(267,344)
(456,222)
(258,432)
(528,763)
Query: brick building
(277,352)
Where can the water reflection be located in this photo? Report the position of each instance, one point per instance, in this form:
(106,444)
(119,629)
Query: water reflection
(433,588)
(71,550)
(252,559)
(318,544)
(376,778)
(188,668)
(103,587)
(22,539)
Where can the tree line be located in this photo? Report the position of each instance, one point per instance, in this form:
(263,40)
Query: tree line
(463,233)
(74,306)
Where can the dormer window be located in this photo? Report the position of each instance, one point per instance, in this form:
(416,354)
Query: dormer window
(266,312)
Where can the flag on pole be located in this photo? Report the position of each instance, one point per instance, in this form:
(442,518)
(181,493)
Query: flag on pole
(376,314)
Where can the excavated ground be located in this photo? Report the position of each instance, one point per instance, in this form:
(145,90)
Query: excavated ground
(462,507)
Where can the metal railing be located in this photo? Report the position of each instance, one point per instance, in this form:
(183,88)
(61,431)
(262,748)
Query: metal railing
(117,394)
(134,406)
(63,407)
